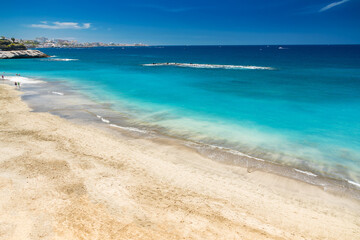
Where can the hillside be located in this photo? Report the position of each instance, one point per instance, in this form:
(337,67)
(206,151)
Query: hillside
(10,45)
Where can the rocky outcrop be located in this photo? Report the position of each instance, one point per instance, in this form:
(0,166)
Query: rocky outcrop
(22,54)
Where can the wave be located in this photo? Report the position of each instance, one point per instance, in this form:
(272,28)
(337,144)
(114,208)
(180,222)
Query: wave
(354,183)
(105,120)
(305,172)
(58,93)
(22,79)
(60,59)
(102,119)
(128,128)
(236,152)
(310,177)
(117,126)
(198,65)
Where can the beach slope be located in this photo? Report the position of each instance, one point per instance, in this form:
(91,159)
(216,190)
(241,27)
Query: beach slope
(61,180)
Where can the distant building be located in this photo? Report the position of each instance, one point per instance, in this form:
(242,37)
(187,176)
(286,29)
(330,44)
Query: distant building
(43,42)
(41,39)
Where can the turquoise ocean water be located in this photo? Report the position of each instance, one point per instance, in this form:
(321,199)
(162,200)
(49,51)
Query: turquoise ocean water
(301,110)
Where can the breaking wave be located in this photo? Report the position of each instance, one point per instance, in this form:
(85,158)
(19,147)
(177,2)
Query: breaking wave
(58,93)
(117,126)
(22,79)
(60,59)
(197,65)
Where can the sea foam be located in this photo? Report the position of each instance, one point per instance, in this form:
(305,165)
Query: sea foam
(197,65)
(58,93)
(22,80)
(103,119)
(305,172)
(128,128)
(117,126)
(60,59)
(354,183)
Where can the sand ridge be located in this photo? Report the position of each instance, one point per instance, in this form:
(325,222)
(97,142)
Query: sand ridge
(61,180)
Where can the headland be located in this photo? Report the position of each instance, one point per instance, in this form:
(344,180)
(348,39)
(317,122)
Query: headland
(15,49)
(22,54)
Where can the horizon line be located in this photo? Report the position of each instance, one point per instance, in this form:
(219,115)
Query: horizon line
(182,45)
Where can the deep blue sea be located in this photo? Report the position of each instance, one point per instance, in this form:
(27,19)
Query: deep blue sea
(302,110)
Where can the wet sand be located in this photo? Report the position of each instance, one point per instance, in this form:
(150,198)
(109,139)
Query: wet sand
(62,180)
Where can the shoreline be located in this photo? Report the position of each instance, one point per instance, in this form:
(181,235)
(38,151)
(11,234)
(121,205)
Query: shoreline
(121,187)
(91,111)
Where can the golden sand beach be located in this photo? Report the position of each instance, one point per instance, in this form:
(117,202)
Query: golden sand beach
(63,180)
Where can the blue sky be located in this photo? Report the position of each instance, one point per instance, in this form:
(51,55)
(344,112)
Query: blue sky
(186,22)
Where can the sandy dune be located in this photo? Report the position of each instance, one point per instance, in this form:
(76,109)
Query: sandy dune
(60,180)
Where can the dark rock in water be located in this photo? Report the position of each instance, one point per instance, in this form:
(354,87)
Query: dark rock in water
(22,54)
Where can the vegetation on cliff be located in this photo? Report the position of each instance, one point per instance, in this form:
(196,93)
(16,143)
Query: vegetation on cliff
(10,45)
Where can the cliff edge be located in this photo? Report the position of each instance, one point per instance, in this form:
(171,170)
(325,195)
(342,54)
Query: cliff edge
(22,54)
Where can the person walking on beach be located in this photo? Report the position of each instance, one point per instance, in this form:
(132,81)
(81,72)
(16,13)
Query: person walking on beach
(18,84)
(15,84)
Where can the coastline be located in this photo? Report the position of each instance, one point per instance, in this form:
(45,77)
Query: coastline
(70,102)
(59,185)
(250,131)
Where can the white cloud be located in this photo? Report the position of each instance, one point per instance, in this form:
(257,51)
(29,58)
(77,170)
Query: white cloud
(61,25)
(331,5)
